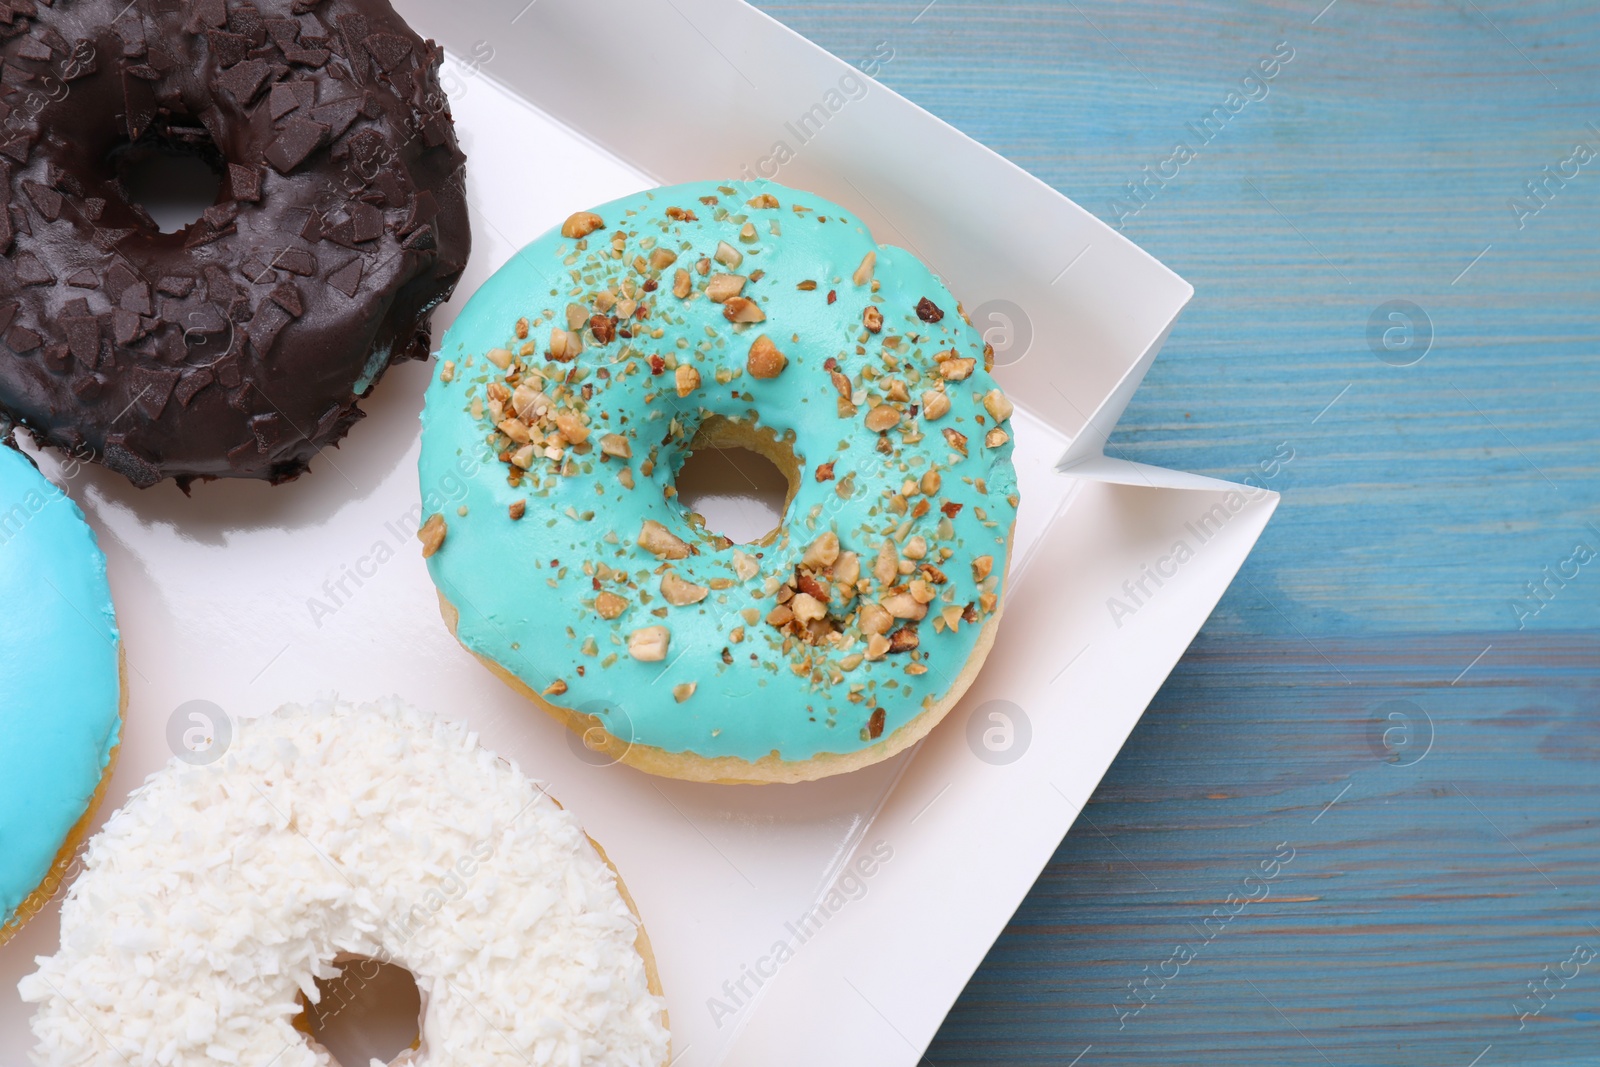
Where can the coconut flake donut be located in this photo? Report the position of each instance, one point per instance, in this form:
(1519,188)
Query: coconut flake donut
(218,893)
(578,380)
(61,688)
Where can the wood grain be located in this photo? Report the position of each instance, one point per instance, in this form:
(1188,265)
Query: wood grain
(1420,503)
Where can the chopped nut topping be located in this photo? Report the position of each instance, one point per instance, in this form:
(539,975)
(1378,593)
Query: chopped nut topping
(572,428)
(682,284)
(875,620)
(995,438)
(863,273)
(702,266)
(958,440)
(649,644)
(928,311)
(555,688)
(500,357)
(724,287)
(515,429)
(765,200)
(609,605)
(529,403)
(522,329)
(681,215)
(780,616)
(982,566)
(935,404)
(807,608)
(930,482)
(615,444)
(876,720)
(748,233)
(922,592)
(847,568)
(917,547)
(903,639)
(807,286)
(728,255)
(741,309)
(882,418)
(745,566)
(577,316)
(662,258)
(661,542)
(996,404)
(822,552)
(872,319)
(841,383)
(825,471)
(764,360)
(581,224)
(957,370)
(887,565)
(905,606)
(683,691)
(877,646)
(563,345)
(518,509)
(680,592)
(687,379)
(447,373)
(432,535)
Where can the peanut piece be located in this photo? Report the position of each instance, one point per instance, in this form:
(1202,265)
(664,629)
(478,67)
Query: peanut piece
(764,360)
(581,224)
(661,542)
(649,644)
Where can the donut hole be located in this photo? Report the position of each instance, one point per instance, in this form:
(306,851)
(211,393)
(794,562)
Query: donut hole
(371,1010)
(738,480)
(170,176)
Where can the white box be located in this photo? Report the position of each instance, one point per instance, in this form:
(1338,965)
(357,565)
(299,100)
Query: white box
(557,113)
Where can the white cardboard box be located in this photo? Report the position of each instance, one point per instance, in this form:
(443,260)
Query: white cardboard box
(216,594)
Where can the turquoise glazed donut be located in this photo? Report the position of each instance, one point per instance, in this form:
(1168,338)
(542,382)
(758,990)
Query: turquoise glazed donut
(569,394)
(61,692)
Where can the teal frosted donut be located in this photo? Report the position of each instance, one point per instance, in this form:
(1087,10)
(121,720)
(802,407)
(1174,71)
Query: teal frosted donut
(570,392)
(61,693)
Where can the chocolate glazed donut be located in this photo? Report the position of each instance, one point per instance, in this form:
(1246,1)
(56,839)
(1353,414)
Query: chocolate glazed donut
(239,345)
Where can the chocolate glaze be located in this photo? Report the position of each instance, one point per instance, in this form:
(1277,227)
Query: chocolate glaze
(240,345)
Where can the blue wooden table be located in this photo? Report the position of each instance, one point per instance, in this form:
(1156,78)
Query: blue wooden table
(1361,823)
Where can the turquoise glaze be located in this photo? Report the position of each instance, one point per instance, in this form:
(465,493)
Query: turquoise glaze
(529,591)
(60,676)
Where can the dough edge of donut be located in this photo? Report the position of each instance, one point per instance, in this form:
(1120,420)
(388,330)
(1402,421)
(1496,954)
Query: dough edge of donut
(36,901)
(770,769)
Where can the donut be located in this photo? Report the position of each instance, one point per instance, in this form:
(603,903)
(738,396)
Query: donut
(582,375)
(61,687)
(213,900)
(240,345)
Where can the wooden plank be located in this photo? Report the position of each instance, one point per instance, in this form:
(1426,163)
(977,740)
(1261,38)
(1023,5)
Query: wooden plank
(1379,164)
